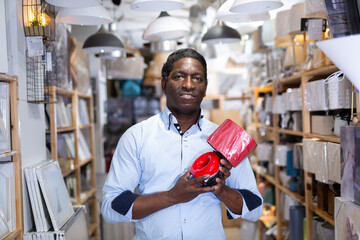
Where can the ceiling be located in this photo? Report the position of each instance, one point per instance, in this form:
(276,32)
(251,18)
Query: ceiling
(130,24)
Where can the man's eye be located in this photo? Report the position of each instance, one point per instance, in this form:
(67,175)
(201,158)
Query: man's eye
(199,79)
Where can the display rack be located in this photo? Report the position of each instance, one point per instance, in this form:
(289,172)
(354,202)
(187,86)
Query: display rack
(275,133)
(14,153)
(78,168)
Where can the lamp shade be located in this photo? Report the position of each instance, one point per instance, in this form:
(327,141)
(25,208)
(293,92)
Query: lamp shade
(94,15)
(224,14)
(255,6)
(297,12)
(102,42)
(162,46)
(73,3)
(344,52)
(157,5)
(220,33)
(165,27)
(268,32)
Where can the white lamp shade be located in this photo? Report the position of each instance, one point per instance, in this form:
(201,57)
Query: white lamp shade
(315,7)
(297,12)
(165,27)
(344,52)
(255,6)
(73,3)
(224,14)
(157,5)
(94,15)
(282,23)
(268,32)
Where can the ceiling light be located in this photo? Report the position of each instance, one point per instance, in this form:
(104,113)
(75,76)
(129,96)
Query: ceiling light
(255,6)
(157,5)
(220,33)
(73,3)
(344,52)
(103,42)
(94,15)
(224,14)
(163,46)
(165,27)
(297,12)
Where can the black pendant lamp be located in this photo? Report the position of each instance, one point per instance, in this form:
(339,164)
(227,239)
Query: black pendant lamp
(103,42)
(221,34)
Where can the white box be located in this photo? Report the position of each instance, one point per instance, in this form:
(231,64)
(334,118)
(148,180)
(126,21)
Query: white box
(321,162)
(316,96)
(333,154)
(322,124)
(308,154)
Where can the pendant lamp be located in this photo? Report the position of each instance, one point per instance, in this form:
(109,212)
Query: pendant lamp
(165,27)
(224,14)
(157,5)
(103,42)
(344,52)
(255,6)
(220,33)
(73,3)
(94,15)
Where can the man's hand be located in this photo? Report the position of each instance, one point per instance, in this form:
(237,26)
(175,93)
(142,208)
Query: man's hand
(225,167)
(186,190)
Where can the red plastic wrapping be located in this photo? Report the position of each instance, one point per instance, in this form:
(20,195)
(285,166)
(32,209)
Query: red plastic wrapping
(233,142)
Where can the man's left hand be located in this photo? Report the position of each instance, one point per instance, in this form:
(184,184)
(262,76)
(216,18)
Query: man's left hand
(225,167)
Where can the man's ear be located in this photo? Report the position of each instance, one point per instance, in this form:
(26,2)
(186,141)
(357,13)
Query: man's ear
(163,86)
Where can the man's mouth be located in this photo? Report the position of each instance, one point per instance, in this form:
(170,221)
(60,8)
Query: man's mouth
(187,96)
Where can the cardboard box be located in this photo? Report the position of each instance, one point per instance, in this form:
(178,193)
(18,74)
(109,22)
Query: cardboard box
(347,219)
(322,124)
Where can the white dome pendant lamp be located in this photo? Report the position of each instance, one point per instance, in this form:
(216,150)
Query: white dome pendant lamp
(255,6)
(221,34)
(224,14)
(165,27)
(157,5)
(93,15)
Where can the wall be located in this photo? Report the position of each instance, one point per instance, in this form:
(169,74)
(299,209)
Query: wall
(31,116)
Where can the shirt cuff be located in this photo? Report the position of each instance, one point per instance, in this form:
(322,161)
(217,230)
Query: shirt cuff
(250,202)
(123,203)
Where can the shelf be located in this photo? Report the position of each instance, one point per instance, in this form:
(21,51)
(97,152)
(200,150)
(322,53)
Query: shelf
(84,162)
(296,79)
(8,154)
(326,216)
(85,126)
(290,132)
(13,235)
(64,91)
(65,129)
(330,138)
(66,172)
(82,95)
(326,70)
(86,195)
(293,195)
(92,229)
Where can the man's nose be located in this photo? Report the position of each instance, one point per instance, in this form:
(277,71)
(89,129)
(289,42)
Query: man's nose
(188,83)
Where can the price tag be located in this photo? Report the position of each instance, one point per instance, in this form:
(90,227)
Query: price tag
(35,46)
(315,27)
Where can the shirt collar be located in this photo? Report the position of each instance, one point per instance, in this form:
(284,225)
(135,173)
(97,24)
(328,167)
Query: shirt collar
(168,118)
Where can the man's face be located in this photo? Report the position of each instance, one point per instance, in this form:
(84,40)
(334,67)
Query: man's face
(186,86)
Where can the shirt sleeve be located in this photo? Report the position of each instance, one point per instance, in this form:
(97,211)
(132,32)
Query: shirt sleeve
(122,179)
(243,180)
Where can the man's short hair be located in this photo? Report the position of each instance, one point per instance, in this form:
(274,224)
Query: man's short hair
(179,54)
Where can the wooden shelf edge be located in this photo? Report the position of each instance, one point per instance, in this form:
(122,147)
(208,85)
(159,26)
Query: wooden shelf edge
(83,95)
(67,172)
(87,195)
(64,91)
(330,138)
(85,126)
(290,132)
(8,154)
(326,216)
(84,162)
(13,234)
(322,70)
(92,228)
(7,78)
(293,195)
(291,80)
(65,129)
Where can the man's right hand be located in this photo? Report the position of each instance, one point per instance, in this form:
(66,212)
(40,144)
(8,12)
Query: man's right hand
(187,189)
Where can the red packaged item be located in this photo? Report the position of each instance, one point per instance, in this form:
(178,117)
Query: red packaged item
(233,142)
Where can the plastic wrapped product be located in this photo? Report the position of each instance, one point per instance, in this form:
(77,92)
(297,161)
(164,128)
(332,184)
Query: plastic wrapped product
(321,160)
(281,154)
(316,96)
(265,152)
(333,152)
(296,99)
(347,219)
(233,142)
(339,91)
(308,154)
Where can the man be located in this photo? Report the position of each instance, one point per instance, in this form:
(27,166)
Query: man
(154,156)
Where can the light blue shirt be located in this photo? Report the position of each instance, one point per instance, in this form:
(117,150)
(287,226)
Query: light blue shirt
(151,156)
